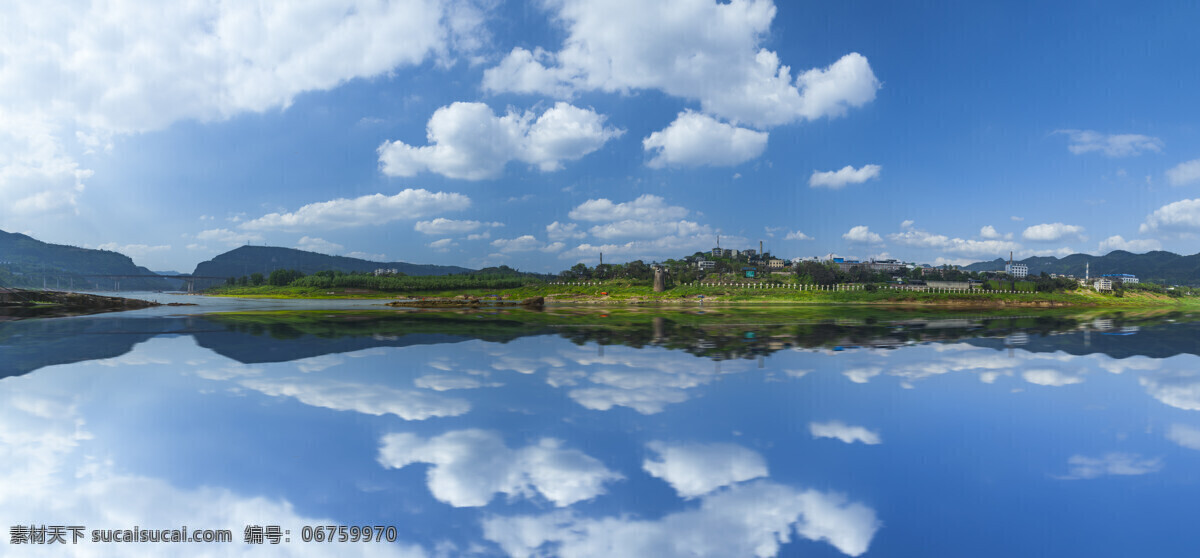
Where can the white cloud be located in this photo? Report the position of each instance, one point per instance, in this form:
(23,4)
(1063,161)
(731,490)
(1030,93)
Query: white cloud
(844,432)
(862,375)
(368,256)
(1116,242)
(367,399)
(751,519)
(1177,388)
(228,237)
(1052,232)
(480,236)
(1112,145)
(323,246)
(471,466)
(989,232)
(645,207)
(841,177)
(797,235)
(442,245)
(694,140)
(375,209)
(648,229)
(134,250)
(1182,215)
(553,247)
(563,231)
(1050,377)
(698,469)
(1185,436)
(520,244)
(966,247)
(468,141)
(701,50)
(84,74)
(1015,218)
(447,382)
(863,235)
(1184,173)
(906,224)
(1125,464)
(442,226)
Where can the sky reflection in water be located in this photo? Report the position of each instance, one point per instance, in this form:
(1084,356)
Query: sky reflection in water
(533,444)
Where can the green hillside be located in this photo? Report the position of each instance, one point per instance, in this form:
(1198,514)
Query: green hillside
(1156,267)
(26,262)
(265,259)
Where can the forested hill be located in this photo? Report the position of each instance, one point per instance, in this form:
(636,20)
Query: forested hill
(1157,267)
(26,261)
(265,259)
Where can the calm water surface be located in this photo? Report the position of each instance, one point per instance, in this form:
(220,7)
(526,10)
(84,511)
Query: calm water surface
(588,434)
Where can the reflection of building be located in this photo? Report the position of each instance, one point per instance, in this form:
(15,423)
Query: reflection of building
(1019,271)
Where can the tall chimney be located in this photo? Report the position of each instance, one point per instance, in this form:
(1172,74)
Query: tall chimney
(760,252)
(1010,257)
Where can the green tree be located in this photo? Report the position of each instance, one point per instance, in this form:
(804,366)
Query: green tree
(256,279)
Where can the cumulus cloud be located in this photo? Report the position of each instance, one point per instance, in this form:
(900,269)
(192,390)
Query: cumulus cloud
(1116,242)
(700,50)
(751,519)
(442,226)
(563,231)
(524,243)
(1177,388)
(134,250)
(989,232)
(965,247)
(100,69)
(228,237)
(375,209)
(367,399)
(1050,377)
(1112,145)
(313,244)
(1184,173)
(1052,232)
(471,466)
(843,176)
(1124,464)
(443,244)
(841,431)
(797,235)
(447,382)
(639,228)
(862,234)
(1180,216)
(695,140)
(468,141)
(645,207)
(698,469)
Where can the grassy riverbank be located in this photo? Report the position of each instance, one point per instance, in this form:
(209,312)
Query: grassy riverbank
(627,294)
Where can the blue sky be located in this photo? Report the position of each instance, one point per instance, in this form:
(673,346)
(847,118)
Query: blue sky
(538,135)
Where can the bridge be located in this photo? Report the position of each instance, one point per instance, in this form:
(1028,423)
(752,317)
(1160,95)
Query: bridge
(187,277)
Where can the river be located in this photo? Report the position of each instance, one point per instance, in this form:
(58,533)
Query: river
(584,432)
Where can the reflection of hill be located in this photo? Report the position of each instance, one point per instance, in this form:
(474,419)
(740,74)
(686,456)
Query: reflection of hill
(284,336)
(27,345)
(1161,340)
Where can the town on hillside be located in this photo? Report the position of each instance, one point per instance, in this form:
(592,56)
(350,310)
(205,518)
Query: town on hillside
(756,266)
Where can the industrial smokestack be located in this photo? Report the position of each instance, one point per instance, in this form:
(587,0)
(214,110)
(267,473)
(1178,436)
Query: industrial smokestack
(760,252)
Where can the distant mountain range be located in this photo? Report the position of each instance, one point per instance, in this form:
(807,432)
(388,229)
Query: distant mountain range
(28,262)
(265,259)
(1157,267)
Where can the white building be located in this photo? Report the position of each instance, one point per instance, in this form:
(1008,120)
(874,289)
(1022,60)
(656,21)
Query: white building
(1019,271)
(706,265)
(1103,284)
